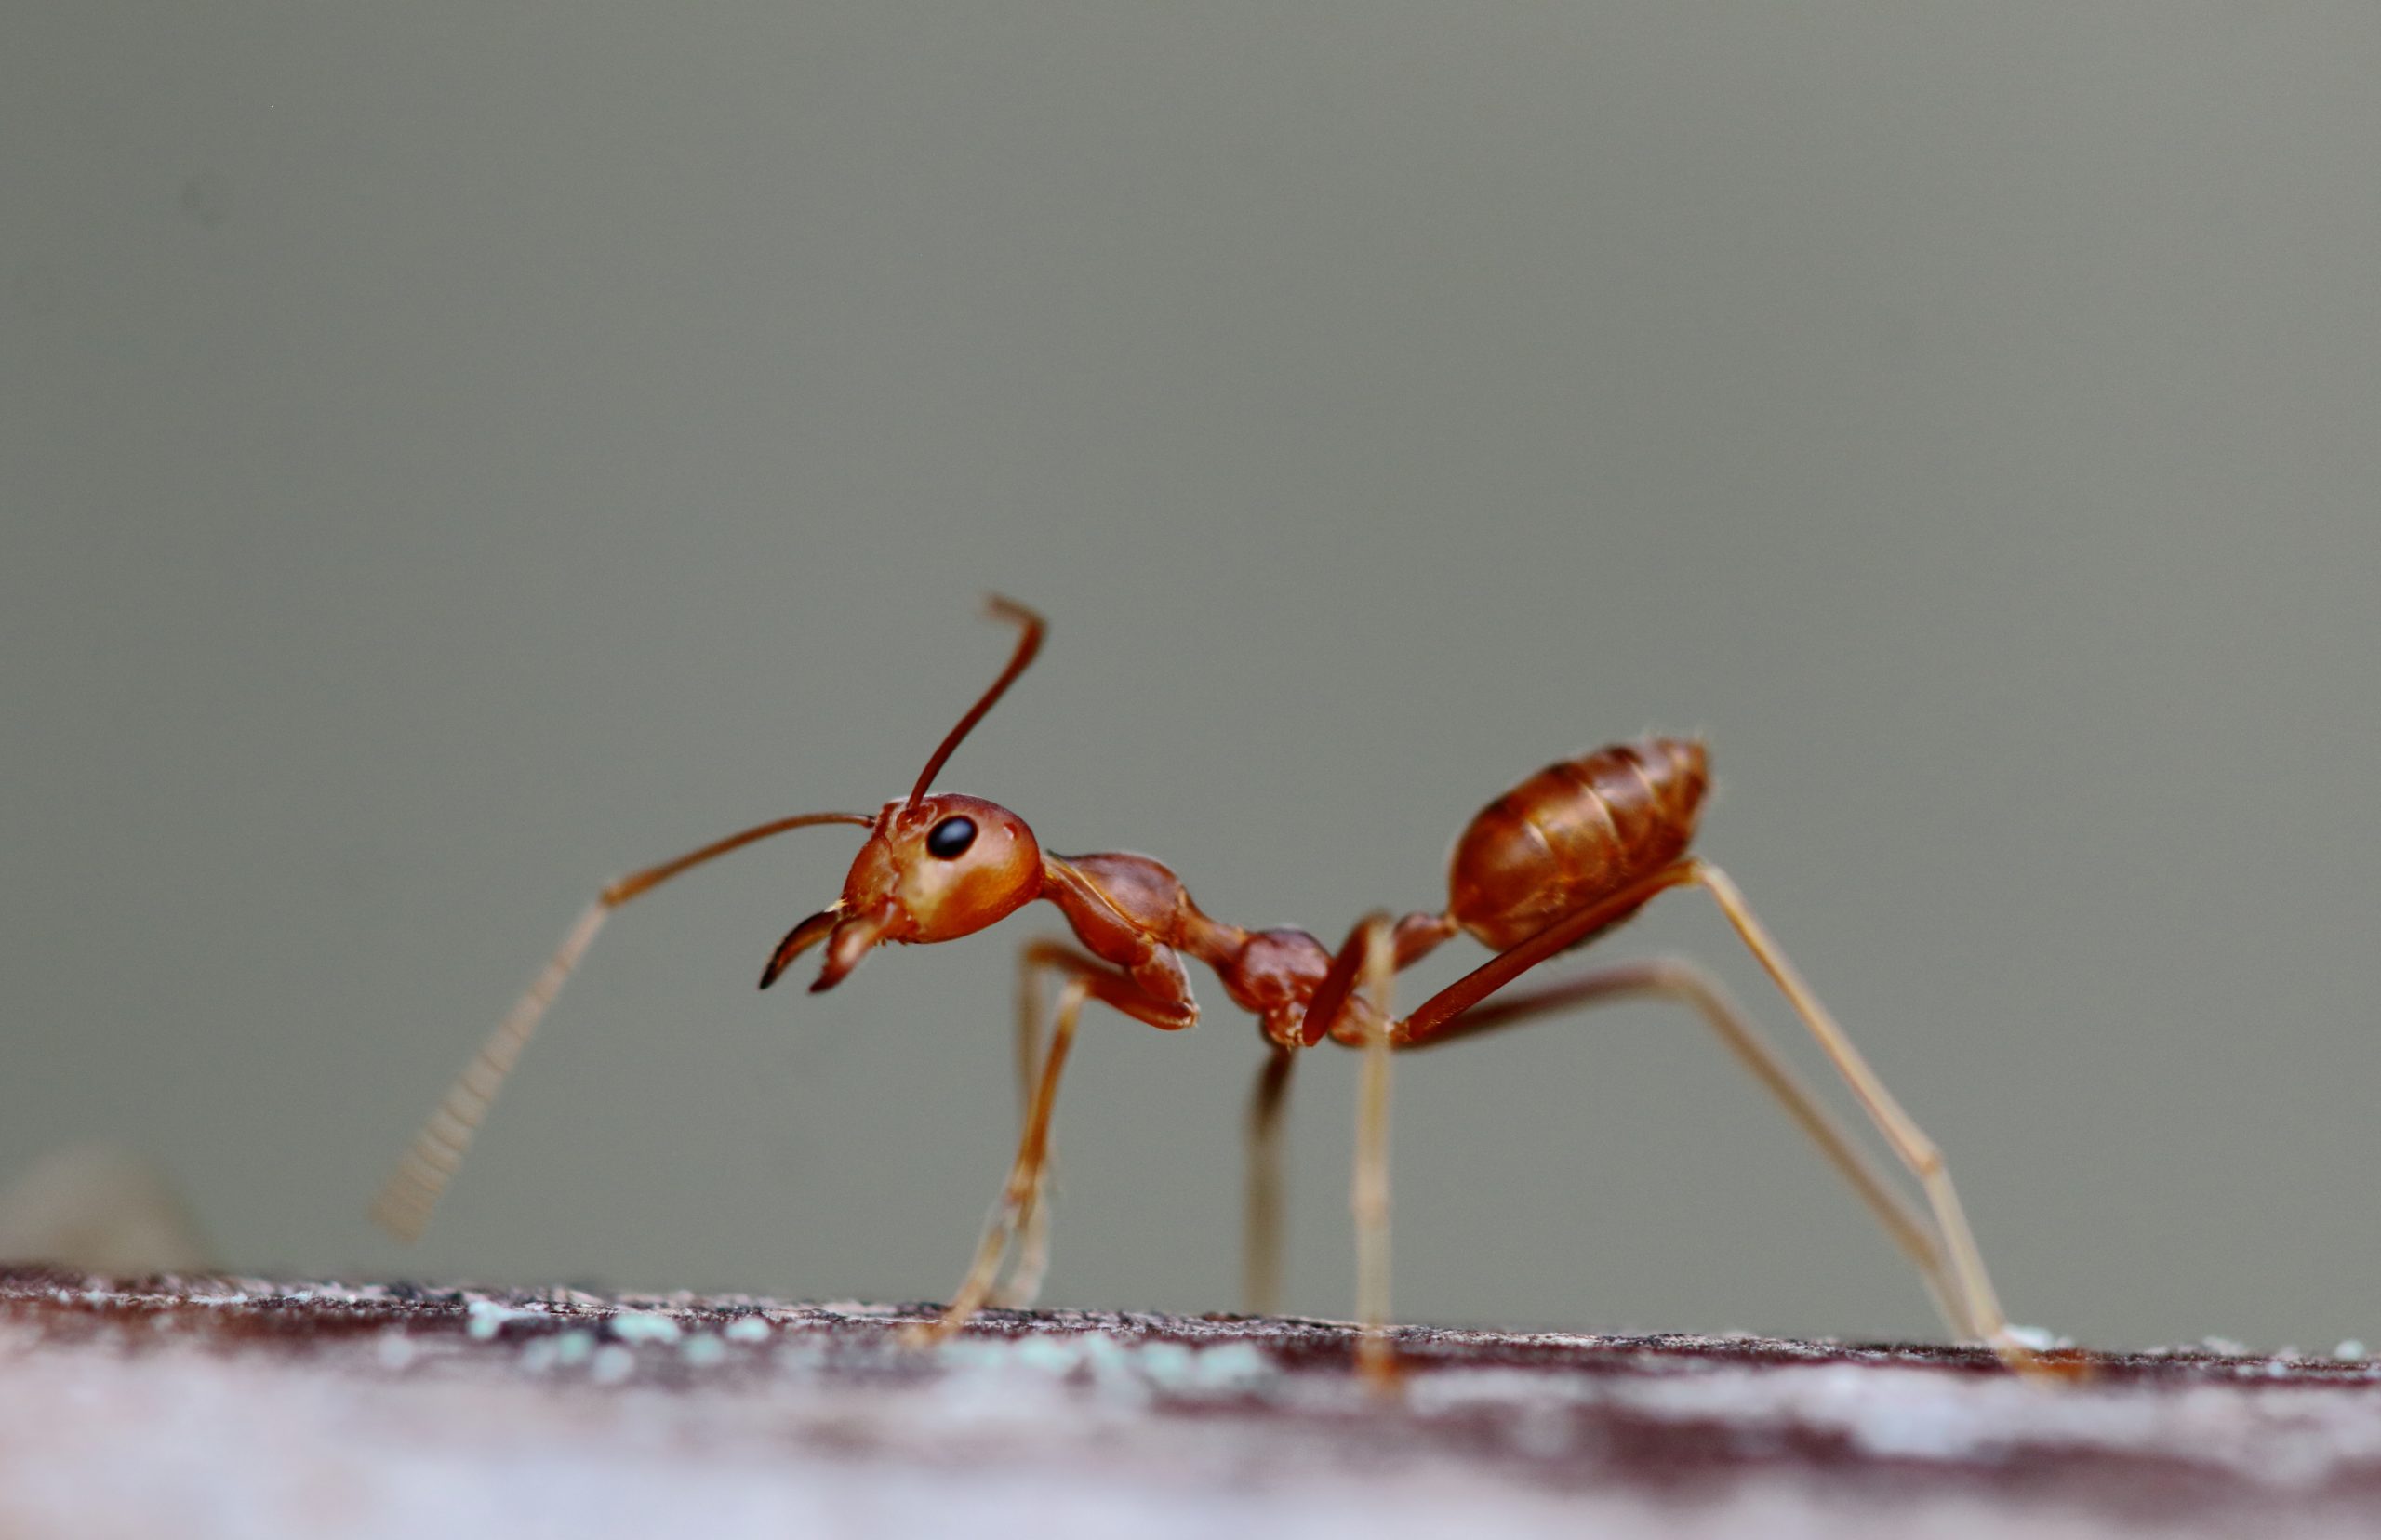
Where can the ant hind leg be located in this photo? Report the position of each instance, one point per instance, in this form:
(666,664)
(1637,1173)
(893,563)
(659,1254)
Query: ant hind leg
(1678,980)
(1922,1155)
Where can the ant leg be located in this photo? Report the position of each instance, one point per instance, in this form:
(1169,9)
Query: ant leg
(1975,1304)
(1024,1178)
(1410,939)
(1260,1279)
(1367,966)
(1375,1358)
(1678,980)
(1031,1262)
(1981,1306)
(1090,982)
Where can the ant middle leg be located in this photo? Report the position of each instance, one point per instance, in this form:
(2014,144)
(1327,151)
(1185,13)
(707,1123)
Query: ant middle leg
(1355,999)
(1261,1257)
(1375,1357)
(1409,940)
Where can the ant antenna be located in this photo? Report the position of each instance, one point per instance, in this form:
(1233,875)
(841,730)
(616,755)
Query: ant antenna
(1027,645)
(431,1162)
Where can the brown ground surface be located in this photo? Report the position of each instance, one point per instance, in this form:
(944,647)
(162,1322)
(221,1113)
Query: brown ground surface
(241,1406)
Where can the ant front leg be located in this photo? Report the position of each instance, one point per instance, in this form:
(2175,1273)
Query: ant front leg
(1031,1264)
(1024,1180)
(1090,981)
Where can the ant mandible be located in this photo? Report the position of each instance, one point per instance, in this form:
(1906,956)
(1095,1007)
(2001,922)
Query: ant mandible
(1568,854)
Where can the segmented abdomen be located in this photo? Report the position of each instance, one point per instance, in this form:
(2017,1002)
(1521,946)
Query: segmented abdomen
(1573,833)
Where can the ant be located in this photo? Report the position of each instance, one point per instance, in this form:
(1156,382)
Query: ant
(1563,856)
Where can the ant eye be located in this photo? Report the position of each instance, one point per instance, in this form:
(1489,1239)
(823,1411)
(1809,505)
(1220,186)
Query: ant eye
(949,839)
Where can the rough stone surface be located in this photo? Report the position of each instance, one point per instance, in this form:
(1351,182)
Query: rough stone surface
(238,1406)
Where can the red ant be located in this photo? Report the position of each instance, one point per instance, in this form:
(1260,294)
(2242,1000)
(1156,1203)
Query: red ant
(1563,856)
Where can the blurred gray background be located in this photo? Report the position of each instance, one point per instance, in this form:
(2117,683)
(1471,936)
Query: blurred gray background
(451,455)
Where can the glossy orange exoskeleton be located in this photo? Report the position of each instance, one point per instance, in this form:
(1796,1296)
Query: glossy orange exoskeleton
(1569,853)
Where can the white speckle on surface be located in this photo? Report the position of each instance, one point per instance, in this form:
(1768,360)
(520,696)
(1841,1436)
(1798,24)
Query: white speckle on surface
(1114,1368)
(2042,1339)
(1043,1355)
(1133,1372)
(1232,1368)
(2225,1346)
(2349,1351)
(1003,1428)
(612,1364)
(1166,1364)
(746,1329)
(644,1326)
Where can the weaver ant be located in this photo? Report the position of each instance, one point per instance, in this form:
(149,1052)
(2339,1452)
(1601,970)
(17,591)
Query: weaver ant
(1563,856)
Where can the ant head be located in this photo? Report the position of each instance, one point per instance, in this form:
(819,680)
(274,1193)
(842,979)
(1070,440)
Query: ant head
(934,868)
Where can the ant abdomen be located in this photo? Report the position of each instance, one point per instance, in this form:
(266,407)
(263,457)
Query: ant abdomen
(1572,833)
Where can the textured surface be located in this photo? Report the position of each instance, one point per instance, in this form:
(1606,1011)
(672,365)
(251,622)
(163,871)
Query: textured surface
(240,1406)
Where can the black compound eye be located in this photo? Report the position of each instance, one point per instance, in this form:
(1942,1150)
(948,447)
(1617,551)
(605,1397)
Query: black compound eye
(949,839)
